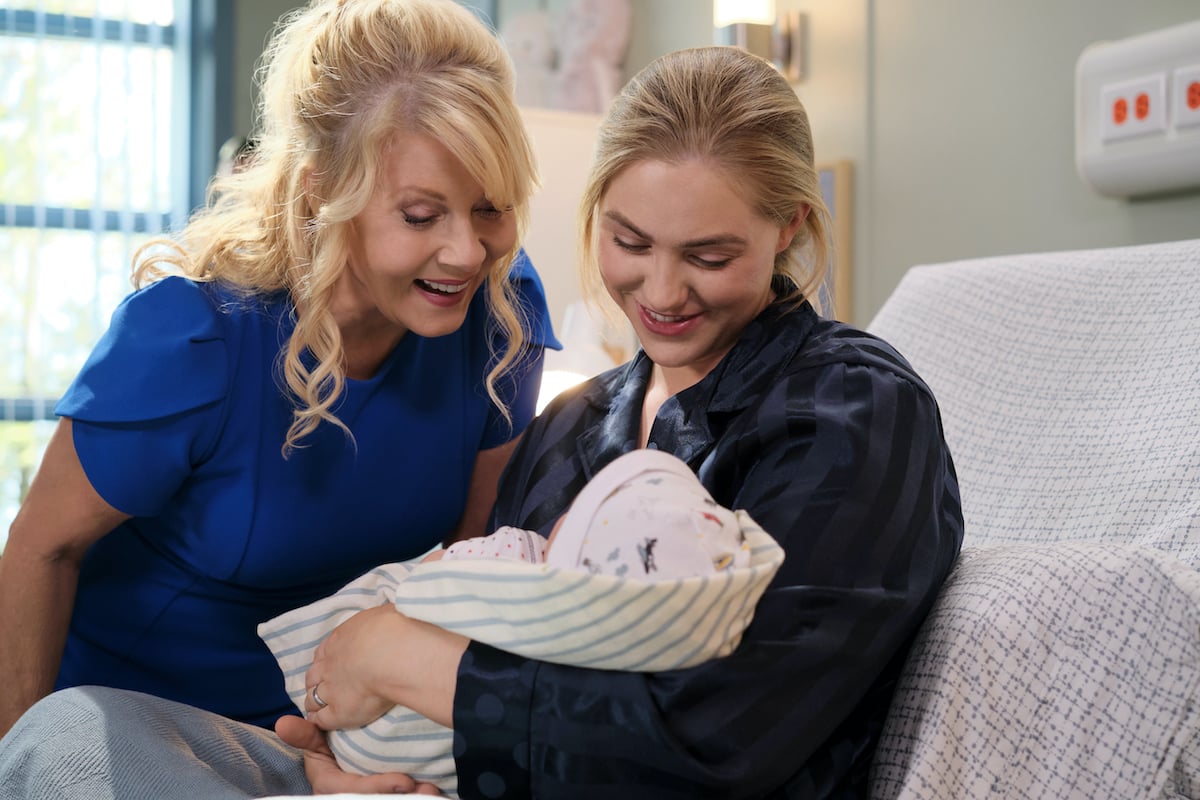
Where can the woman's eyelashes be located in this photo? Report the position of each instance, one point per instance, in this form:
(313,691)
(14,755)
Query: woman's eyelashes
(490,212)
(422,218)
(420,213)
(630,247)
(710,262)
(702,260)
(419,220)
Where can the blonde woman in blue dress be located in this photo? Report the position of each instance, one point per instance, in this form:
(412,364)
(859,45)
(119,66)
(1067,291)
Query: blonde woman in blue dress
(325,371)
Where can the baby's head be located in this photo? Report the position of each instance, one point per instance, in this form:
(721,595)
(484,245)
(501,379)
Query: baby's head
(646,516)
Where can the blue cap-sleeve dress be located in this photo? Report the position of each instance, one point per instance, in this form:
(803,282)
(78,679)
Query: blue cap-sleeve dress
(178,420)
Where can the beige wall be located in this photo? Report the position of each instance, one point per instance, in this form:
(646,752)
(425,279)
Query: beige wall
(957,116)
(252,27)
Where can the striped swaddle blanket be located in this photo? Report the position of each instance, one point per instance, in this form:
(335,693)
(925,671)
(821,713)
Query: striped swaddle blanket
(554,614)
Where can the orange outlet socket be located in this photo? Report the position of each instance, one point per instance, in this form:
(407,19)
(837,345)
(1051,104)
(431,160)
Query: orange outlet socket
(1120,111)
(1134,108)
(1185,98)
(1141,106)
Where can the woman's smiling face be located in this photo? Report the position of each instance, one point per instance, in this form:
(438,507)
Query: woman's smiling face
(688,260)
(426,241)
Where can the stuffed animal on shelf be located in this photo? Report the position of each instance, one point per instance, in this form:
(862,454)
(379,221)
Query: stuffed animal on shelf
(593,36)
(529,38)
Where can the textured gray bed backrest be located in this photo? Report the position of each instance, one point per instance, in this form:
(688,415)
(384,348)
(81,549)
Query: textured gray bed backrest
(1069,385)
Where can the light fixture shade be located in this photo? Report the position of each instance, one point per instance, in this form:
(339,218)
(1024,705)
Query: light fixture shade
(732,12)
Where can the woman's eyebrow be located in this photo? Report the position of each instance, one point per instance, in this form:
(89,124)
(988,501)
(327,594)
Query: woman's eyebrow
(432,194)
(710,241)
(623,221)
(707,241)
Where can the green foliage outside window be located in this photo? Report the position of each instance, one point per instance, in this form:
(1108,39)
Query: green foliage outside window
(87,93)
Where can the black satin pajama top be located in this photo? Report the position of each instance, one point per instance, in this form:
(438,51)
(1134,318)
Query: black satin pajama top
(831,442)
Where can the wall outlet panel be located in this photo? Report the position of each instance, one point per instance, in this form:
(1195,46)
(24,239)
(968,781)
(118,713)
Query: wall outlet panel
(1137,113)
(1185,96)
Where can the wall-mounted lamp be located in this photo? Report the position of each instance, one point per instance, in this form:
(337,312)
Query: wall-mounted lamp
(754,26)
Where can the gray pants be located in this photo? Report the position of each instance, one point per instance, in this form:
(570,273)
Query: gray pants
(93,743)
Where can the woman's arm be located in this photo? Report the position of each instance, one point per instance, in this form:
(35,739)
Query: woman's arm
(849,472)
(60,518)
(379,658)
(482,492)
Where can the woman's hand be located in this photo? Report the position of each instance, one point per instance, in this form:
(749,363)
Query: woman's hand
(352,689)
(327,777)
(380,658)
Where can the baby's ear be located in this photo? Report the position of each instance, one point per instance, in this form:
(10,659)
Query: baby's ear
(554,531)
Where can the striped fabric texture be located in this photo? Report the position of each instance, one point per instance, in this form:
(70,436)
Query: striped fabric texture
(559,615)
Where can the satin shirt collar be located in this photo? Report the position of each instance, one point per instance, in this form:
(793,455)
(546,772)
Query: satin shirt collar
(689,422)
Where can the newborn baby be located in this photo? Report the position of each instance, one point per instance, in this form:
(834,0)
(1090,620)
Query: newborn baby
(645,572)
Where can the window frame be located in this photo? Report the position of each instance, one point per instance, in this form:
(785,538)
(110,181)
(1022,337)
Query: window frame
(202,37)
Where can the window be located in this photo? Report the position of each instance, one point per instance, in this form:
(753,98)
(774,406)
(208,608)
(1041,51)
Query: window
(92,95)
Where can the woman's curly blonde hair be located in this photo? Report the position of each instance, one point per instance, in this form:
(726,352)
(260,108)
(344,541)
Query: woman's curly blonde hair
(339,79)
